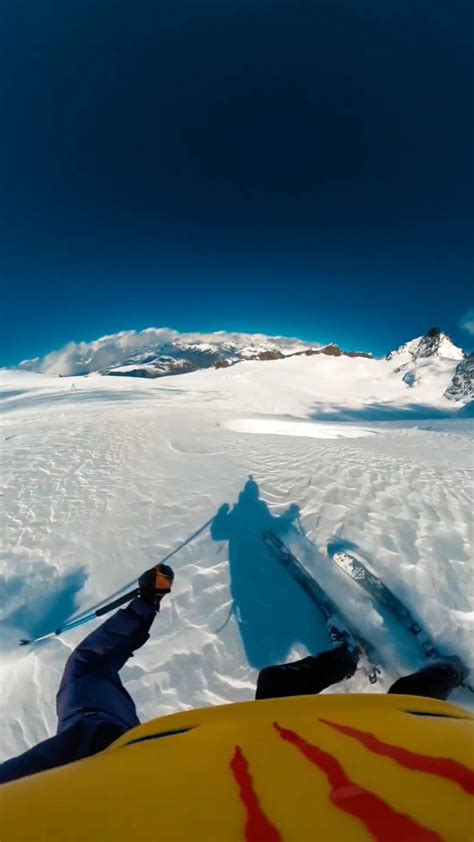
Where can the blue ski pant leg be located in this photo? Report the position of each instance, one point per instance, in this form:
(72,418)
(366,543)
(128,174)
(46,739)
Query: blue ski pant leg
(91,684)
(302,678)
(295,679)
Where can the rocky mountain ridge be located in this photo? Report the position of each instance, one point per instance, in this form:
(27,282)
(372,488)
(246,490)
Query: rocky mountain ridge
(161,352)
(156,353)
(462,385)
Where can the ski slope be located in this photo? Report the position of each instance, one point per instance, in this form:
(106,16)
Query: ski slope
(101,477)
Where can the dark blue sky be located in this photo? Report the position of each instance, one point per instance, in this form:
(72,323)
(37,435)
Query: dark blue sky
(281,166)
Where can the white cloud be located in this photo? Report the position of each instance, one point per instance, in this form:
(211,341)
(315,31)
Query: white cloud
(83,357)
(115,350)
(467,322)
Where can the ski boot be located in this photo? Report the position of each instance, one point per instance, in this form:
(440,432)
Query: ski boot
(346,652)
(436,680)
(455,665)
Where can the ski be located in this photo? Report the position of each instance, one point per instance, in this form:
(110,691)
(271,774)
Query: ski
(339,628)
(358,572)
(381,594)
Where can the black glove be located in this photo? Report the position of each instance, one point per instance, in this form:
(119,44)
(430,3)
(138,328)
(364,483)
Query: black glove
(155,583)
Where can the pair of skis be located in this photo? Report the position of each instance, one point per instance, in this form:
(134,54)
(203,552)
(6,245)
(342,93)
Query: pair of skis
(339,628)
(359,573)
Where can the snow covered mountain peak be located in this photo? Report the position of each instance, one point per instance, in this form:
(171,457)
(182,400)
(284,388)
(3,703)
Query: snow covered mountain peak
(435,343)
(439,344)
(427,358)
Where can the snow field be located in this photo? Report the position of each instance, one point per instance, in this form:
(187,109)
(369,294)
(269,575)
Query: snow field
(100,483)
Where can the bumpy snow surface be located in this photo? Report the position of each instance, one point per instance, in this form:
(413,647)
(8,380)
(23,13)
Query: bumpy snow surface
(102,477)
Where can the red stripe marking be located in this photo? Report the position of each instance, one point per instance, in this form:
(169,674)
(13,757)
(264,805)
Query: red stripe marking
(441,766)
(381,820)
(257,826)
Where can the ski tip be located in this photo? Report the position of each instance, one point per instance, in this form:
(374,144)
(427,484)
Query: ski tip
(24,642)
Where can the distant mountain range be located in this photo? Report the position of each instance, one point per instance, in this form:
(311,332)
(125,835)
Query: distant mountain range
(160,352)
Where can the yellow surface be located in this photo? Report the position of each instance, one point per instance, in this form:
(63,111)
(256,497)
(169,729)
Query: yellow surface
(182,787)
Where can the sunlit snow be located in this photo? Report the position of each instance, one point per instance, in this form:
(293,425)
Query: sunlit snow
(285,427)
(102,477)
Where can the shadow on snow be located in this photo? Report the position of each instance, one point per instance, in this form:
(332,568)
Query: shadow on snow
(272,612)
(43,608)
(11,401)
(380,412)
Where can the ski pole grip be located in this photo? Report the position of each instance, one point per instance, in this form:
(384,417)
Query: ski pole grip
(115,604)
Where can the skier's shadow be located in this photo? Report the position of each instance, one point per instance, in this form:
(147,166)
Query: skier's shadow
(272,612)
(44,605)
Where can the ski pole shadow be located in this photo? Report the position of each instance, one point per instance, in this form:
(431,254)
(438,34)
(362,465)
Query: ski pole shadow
(44,607)
(272,612)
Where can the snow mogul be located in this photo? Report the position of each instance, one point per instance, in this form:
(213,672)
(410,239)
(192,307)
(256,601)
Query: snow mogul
(361,767)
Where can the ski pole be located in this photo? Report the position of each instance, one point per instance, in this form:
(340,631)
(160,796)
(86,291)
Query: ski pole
(129,584)
(99,609)
(87,619)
